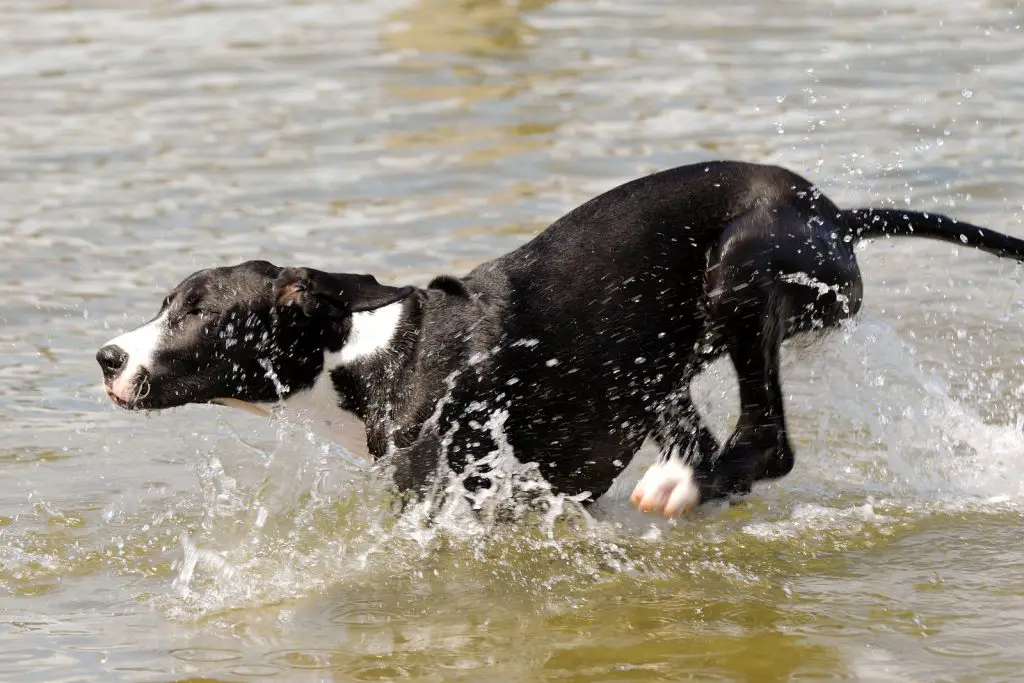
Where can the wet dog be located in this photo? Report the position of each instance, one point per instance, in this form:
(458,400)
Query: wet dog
(586,338)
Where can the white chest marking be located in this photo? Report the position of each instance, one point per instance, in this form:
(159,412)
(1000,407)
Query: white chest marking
(317,407)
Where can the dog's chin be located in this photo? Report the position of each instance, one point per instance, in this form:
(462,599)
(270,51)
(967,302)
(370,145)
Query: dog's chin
(150,400)
(141,404)
(151,396)
(117,400)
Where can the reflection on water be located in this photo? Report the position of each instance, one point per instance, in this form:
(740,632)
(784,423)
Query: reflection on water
(473,29)
(138,142)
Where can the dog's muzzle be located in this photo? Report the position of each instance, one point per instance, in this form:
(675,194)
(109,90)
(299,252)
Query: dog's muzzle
(122,390)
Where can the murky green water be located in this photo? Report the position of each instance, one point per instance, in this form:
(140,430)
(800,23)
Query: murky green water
(139,141)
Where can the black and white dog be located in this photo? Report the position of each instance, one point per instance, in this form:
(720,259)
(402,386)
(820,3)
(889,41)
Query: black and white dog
(587,337)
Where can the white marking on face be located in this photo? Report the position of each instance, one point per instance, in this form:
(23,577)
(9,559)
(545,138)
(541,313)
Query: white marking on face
(372,332)
(668,488)
(140,344)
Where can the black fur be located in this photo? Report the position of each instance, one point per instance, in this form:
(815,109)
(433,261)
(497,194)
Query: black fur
(588,335)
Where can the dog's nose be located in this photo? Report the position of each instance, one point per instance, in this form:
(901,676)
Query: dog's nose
(112,360)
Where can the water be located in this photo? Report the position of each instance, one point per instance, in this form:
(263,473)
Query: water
(141,141)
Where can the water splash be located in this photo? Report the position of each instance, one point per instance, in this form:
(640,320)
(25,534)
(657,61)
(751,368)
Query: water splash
(881,436)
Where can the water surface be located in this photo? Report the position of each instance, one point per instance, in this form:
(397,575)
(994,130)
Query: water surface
(139,141)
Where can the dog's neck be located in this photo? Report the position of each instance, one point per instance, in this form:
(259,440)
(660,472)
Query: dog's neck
(343,396)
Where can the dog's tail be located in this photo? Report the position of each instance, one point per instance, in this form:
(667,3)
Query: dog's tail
(868,223)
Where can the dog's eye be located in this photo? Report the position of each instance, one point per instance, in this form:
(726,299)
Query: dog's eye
(195,310)
(193,305)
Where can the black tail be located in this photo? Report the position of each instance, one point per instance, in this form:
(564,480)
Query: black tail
(868,223)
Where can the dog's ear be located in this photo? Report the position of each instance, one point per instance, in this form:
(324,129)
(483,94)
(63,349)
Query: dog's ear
(293,294)
(366,294)
(312,292)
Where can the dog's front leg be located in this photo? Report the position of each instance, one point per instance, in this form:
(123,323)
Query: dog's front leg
(671,486)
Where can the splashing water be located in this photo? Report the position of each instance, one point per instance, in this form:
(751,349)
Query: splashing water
(308,516)
(515,490)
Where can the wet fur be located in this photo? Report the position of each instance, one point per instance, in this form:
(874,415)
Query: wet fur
(588,335)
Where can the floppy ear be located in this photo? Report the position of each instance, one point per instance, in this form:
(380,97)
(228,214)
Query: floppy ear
(314,292)
(366,294)
(292,294)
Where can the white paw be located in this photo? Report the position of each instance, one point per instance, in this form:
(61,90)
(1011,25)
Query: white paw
(667,489)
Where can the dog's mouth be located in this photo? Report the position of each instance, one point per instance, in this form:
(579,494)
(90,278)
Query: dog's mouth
(129,396)
(137,397)
(118,401)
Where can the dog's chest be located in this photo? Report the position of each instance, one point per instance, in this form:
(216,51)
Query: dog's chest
(317,409)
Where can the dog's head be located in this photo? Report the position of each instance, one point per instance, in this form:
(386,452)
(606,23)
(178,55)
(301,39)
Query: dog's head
(254,332)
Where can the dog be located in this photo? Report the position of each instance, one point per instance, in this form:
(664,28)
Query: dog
(585,338)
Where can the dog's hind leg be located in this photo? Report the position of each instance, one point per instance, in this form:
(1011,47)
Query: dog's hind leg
(777,273)
(758,447)
(748,313)
(780,269)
